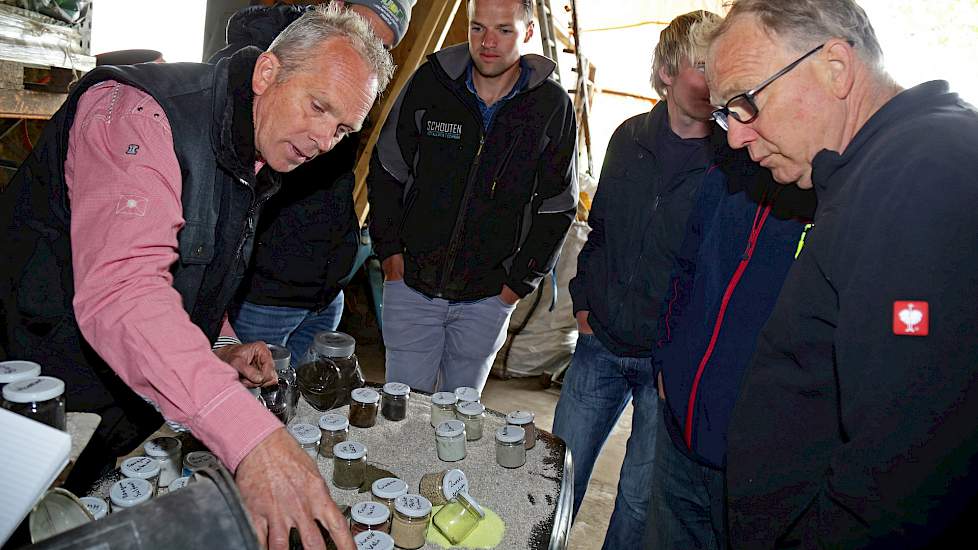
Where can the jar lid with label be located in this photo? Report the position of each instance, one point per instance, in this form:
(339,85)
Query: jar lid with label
(450,428)
(519,418)
(180,483)
(466,393)
(412,506)
(453,483)
(470,408)
(389,488)
(374,540)
(162,447)
(370,513)
(15,371)
(332,422)
(200,459)
(510,434)
(396,388)
(129,492)
(444,398)
(96,506)
(334,344)
(365,395)
(140,467)
(350,450)
(305,434)
(34,390)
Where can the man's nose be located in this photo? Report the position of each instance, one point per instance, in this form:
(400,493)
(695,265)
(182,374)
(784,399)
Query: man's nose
(324,139)
(489,40)
(739,135)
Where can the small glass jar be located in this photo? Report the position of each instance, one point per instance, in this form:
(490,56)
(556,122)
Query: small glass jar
(167,452)
(386,489)
(334,428)
(40,398)
(180,483)
(395,402)
(282,398)
(450,441)
(363,408)
(374,540)
(198,460)
(472,413)
(441,487)
(510,446)
(96,506)
(457,519)
(466,393)
(524,419)
(410,524)
(349,465)
(15,371)
(442,407)
(308,437)
(370,516)
(129,492)
(142,467)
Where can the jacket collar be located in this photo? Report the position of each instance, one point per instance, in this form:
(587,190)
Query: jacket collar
(233,134)
(453,61)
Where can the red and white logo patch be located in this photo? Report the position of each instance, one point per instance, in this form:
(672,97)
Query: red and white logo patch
(911,318)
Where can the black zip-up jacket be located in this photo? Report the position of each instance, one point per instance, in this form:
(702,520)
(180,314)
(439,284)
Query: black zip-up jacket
(637,225)
(857,421)
(472,210)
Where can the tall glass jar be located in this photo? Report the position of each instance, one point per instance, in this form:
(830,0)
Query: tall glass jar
(142,467)
(369,516)
(472,414)
(282,398)
(307,436)
(319,384)
(510,446)
(335,428)
(340,349)
(441,487)
(450,441)
(442,407)
(524,419)
(386,489)
(15,371)
(349,465)
(374,540)
(466,393)
(410,524)
(40,398)
(167,452)
(364,407)
(394,403)
(457,519)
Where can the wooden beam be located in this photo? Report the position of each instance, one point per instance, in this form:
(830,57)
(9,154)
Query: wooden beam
(29,104)
(28,38)
(431,20)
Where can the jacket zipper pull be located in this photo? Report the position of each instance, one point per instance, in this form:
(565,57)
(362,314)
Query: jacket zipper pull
(492,190)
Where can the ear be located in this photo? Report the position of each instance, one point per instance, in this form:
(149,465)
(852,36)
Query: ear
(665,76)
(839,68)
(265,73)
(529,33)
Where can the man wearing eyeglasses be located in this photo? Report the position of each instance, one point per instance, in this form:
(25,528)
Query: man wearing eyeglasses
(855,426)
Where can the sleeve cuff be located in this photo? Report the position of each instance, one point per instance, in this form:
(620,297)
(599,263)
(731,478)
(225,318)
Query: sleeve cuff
(521,288)
(233,424)
(386,250)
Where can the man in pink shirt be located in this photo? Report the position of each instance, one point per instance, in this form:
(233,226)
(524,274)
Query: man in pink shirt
(131,224)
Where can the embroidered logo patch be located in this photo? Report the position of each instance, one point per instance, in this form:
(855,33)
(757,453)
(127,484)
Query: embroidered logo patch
(447,130)
(911,318)
(131,205)
(133,149)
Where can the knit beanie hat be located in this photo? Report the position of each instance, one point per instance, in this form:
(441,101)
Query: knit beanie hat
(396,13)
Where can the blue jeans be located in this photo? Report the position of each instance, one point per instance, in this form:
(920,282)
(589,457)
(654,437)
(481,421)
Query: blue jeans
(687,508)
(597,388)
(291,327)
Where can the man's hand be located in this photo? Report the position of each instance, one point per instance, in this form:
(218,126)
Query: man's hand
(282,488)
(508,296)
(394,268)
(582,325)
(252,361)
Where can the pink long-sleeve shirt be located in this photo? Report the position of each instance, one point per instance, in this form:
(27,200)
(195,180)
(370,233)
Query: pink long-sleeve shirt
(125,190)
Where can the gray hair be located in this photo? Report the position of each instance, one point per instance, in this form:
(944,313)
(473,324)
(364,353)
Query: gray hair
(295,45)
(805,24)
(677,46)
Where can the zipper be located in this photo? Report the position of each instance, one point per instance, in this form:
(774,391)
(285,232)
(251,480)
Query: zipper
(250,229)
(456,240)
(502,167)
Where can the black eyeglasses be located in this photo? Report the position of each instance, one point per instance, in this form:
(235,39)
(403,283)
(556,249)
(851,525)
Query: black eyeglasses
(742,107)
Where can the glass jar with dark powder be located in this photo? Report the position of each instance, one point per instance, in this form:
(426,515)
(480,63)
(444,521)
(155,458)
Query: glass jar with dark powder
(395,401)
(364,407)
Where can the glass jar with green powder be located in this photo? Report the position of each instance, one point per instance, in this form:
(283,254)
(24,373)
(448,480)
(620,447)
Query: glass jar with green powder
(457,519)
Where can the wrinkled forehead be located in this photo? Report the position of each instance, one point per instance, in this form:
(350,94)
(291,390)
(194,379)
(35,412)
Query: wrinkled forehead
(740,59)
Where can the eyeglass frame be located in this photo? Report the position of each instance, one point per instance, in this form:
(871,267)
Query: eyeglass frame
(720,115)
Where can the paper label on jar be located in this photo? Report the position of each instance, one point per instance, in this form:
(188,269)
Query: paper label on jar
(412,502)
(332,422)
(454,483)
(470,408)
(466,393)
(390,485)
(396,388)
(130,489)
(140,465)
(374,540)
(162,445)
(349,450)
(200,459)
(370,513)
(305,433)
(520,417)
(365,395)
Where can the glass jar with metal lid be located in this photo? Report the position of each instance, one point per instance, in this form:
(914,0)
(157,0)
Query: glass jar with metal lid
(466,393)
(364,407)
(142,467)
(457,519)
(441,487)
(340,349)
(349,464)
(450,441)
(334,428)
(40,398)
(386,489)
(308,437)
(510,446)
(282,398)
(198,460)
(167,452)
(374,540)
(472,414)
(524,419)
(15,371)
(96,506)
(370,516)
(442,407)
(410,524)
(394,403)
(129,492)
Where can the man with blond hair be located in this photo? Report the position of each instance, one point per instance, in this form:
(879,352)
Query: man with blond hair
(855,425)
